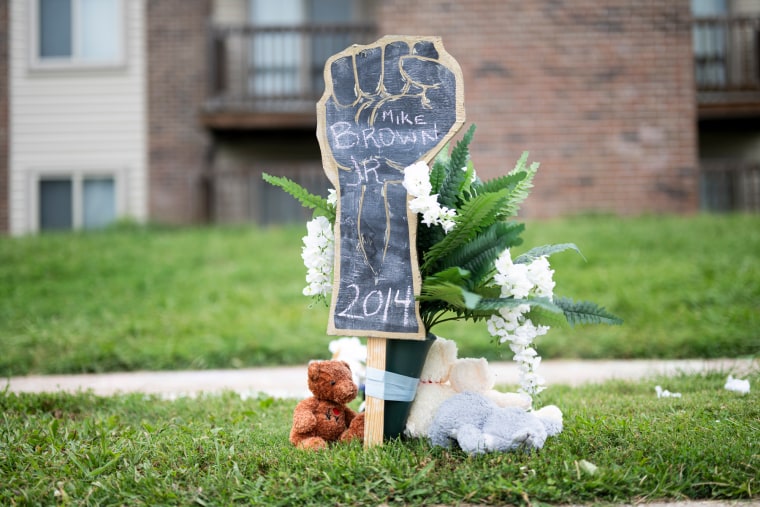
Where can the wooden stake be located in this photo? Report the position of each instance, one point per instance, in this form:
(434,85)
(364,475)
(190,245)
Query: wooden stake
(374,415)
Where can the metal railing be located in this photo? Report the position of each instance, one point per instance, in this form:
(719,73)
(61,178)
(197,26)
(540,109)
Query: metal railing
(730,185)
(727,53)
(274,69)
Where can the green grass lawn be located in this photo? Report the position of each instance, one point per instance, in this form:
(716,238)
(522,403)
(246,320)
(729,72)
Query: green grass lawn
(219,450)
(154,298)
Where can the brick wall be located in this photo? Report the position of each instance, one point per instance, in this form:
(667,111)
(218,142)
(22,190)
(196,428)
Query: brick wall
(599,91)
(176,50)
(4,162)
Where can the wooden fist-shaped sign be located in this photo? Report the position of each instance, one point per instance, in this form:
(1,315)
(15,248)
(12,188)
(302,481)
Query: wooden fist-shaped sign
(386,105)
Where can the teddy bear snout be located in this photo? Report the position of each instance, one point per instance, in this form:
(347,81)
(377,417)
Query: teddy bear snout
(346,392)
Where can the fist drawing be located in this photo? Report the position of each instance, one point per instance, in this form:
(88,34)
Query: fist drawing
(386,105)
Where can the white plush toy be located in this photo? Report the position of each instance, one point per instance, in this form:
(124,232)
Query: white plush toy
(478,425)
(443,376)
(433,389)
(474,375)
(352,351)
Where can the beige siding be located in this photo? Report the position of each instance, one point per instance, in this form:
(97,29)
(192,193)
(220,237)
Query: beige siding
(230,11)
(77,120)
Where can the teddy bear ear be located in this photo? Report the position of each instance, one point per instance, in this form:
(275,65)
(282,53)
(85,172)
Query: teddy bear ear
(347,365)
(313,371)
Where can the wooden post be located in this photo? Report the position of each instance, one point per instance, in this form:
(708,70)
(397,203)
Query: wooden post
(386,106)
(375,407)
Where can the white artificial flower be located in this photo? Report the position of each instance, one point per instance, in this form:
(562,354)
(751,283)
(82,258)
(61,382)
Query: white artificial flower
(318,254)
(446,219)
(332,197)
(511,325)
(417,179)
(424,203)
(503,262)
(541,276)
(417,184)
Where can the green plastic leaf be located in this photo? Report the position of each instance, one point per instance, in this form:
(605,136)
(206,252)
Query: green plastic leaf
(464,187)
(475,215)
(456,296)
(478,256)
(495,304)
(450,287)
(585,312)
(454,180)
(440,167)
(551,318)
(454,274)
(306,198)
(508,181)
(546,250)
(461,152)
(522,188)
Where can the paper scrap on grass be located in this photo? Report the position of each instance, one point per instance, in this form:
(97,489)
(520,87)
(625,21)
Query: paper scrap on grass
(587,467)
(737,385)
(664,393)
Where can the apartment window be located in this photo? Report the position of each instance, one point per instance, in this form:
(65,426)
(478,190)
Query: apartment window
(83,32)
(709,40)
(73,202)
(289,62)
(56,204)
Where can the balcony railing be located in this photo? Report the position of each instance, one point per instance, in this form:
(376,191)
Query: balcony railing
(730,185)
(727,62)
(266,74)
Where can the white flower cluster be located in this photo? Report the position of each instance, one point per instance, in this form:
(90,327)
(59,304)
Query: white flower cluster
(520,281)
(317,254)
(417,184)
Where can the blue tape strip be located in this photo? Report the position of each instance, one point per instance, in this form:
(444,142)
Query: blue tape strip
(390,386)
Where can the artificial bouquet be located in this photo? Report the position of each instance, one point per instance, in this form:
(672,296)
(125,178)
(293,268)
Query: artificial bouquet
(465,235)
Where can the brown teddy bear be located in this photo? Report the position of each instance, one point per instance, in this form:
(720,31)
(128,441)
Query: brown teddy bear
(324,417)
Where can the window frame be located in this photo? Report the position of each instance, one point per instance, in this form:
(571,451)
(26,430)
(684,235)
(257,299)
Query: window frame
(75,61)
(77,178)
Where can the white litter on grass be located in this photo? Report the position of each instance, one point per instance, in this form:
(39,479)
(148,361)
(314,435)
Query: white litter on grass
(587,467)
(664,393)
(737,385)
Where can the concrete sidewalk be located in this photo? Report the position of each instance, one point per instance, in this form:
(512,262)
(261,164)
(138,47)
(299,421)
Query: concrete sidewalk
(290,381)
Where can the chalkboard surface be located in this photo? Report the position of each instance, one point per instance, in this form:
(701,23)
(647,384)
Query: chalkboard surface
(386,105)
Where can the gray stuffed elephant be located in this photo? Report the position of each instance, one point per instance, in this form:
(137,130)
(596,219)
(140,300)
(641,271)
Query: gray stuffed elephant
(478,425)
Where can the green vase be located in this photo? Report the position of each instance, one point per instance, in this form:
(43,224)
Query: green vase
(405,357)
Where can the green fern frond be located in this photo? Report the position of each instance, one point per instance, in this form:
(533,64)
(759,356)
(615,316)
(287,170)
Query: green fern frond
(427,236)
(521,190)
(461,152)
(440,167)
(488,307)
(453,274)
(585,312)
(454,295)
(551,318)
(494,304)
(546,250)
(450,188)
(465,191)
(475,215)
(454,179)
(449,286)
(508,181)
(306,198)
(477,256)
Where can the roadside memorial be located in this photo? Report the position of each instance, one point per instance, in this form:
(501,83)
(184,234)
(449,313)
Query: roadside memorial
(386,106)
(399,246)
